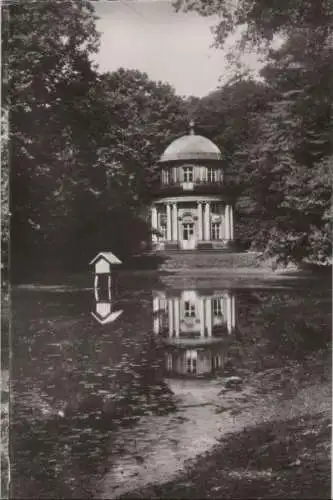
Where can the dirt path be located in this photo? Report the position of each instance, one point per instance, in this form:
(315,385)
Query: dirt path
(158,448)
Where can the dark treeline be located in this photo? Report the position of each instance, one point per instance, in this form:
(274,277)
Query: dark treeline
(82,145)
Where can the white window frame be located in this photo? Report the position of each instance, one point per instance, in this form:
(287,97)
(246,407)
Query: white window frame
(211,175)
(188,229)
(188,174)
(189,309)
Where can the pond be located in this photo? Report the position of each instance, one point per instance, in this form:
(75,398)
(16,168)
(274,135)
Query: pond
(113,391)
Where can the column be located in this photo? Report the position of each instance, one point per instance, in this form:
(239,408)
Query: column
(227,222)
(177,316)
(200,222)
(156,315)
(168,207)
(154,221)
(209,317)
(175,222)
(202,316)
(229,313)
(233,308)
(96,287)
(174,171)
(231,222)
(170,312)
(207,221)
(109,287)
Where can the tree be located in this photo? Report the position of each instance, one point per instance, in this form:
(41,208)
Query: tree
(263,20)
(290,152)
(147,115)
(230,117)
(292,160)
(82,145)
(49,79)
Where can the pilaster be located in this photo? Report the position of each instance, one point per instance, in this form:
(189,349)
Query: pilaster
(169,223)
(175,221)
(200,221)
(207,222)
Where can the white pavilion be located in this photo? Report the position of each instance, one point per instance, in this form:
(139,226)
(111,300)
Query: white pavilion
(192,208)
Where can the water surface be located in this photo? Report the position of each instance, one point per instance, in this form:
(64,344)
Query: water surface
(102,408)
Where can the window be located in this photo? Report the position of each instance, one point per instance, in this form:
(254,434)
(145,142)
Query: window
(215,231)
(189,310)
(211,174)
(217,307)
(188,174)
(165,176)
(188,230)
(191,361)
(215,208)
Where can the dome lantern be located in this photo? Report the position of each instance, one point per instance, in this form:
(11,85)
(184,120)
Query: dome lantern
(192,123)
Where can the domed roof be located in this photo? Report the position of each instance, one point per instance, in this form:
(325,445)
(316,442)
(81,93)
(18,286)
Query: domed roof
(191,147)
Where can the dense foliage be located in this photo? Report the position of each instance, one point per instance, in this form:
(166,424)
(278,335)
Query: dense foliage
(276,134)
(81,144)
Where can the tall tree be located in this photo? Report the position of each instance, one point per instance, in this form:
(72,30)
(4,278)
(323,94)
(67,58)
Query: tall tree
(293,158)
(49,77)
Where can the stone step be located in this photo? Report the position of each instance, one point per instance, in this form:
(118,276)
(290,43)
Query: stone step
(209,259)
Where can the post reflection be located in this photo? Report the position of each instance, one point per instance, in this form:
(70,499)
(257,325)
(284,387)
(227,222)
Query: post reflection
(104,295)
(195,328)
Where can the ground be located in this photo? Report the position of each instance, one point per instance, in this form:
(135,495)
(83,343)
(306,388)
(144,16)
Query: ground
(284,457)
(276,460)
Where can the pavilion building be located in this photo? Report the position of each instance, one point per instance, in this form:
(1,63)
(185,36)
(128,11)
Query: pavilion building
(191,208)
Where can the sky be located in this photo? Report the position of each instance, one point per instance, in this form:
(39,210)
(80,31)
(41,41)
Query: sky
(150,36)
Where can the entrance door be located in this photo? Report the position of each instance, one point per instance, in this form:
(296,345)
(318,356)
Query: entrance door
(188,239)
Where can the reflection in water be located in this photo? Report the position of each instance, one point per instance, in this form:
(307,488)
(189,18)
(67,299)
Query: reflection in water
(195,327)
(104,292)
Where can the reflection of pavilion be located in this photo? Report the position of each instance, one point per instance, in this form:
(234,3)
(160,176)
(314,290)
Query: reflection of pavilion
(194,327)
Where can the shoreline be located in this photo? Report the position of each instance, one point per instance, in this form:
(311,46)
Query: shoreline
(83,281)
(273,399)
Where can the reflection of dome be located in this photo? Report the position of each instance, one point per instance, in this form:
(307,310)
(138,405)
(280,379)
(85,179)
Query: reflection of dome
(191,147)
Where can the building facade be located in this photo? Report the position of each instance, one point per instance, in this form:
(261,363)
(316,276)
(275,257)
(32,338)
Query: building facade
(191,207)
(195,329)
